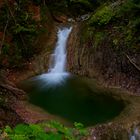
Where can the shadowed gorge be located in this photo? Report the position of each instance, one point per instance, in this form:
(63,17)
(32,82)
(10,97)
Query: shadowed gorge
(62,94)
(74,101)
(69,70)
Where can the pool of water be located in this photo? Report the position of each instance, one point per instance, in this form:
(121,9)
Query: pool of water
(73,100)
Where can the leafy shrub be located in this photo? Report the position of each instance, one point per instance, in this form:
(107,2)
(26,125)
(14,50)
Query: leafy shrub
(55,131)
(20,34)
(102,16)
(128,8)
(121,14)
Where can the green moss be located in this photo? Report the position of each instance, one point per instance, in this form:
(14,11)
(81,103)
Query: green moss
(102,16)
(120,20)
(21,32)
(126,8)
(87,33)
(98,38)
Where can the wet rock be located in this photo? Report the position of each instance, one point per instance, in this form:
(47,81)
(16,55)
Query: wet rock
(83,17)
(110,68)
(36,12)
(60,19)
(71,20)
(8,116)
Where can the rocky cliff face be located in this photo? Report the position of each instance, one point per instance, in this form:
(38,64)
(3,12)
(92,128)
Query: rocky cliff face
(106,46)
(8,97)
(103,62)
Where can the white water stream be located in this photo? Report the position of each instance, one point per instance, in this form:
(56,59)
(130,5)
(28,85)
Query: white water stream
(135,135)
(57,70)
(59,55)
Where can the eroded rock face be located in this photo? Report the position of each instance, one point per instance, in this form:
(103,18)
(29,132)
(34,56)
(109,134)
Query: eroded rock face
(109,132)
(110,67)
(8,97)
(60,19)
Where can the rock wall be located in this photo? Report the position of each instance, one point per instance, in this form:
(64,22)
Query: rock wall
(105,64)
(8,97)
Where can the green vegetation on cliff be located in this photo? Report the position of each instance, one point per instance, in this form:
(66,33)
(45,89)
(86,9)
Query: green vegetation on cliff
(21,23)
(120,21)
(107,44)
(109,41)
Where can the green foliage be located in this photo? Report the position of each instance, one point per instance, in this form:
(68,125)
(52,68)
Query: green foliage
(5,48)
(44,18)
(55,131)
(119,20)
(78,125)
(20,34)
(84,2)
(81,129)
(28,132)
(130,12)
(127,7)
(98,37)
(20,28)
(102,16)
(8,130)
(69,133)
(87,33)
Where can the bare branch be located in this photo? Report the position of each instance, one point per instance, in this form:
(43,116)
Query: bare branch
(131,61)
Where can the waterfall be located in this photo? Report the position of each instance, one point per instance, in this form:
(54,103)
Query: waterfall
(59,55)
(57,69)
(135,135)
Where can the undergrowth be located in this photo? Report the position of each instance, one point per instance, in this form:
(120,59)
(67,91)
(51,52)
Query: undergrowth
(118,22)
(46,131)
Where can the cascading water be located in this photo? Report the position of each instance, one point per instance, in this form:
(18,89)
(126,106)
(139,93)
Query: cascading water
(67,96)
(57,72)
(59,55)
(135,135)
